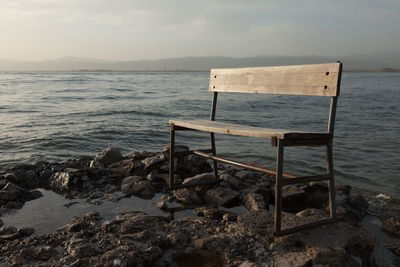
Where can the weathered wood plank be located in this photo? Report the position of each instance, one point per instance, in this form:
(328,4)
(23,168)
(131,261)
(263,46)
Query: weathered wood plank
(317,79)
(237,129)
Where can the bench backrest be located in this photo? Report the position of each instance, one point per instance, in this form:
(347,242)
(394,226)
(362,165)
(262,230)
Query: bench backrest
(316,79)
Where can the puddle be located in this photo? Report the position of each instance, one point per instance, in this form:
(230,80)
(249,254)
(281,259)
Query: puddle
(48,213)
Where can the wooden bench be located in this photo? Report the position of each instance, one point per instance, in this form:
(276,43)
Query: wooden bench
(313,80)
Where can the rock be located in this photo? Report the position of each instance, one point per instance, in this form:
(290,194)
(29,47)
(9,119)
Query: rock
(229,217)
(126,168)
(187,196)
(293,199)
(200,179)
(1,223)
(96,164)
(194,164)
(178,148)
(46,253)
(260,222)
(142,189)
(198,257)
(254,201)
(9,233)
(151,163)
(210,213)
(245,175)
(97,194)
(13,189)
(12,177)
(310,212)
(26,231)
(161,205)
(353,210)
(392,226)
(61,181)
(109,156)
(35,194)
(222,196)
(293,259)
(231,180)
(129,181)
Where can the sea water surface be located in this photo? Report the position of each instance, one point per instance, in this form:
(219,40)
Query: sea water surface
(54,116)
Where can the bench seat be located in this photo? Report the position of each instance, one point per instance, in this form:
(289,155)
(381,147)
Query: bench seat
(243,130)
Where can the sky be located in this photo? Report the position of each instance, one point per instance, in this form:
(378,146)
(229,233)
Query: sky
(152,29)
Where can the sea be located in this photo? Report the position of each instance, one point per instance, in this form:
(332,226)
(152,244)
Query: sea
(55,116)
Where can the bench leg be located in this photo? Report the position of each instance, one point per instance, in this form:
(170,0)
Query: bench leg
(214,152)
(278,188)
(171,156)
(331,183)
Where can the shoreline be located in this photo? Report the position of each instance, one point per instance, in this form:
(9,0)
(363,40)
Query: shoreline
(214,232)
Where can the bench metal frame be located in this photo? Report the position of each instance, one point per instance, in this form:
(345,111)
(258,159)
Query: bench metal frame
(282,178)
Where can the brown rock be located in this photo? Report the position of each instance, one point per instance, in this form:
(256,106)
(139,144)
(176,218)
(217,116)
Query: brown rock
(222,196)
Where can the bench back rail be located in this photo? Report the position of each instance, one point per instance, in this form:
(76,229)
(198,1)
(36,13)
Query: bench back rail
(316,79)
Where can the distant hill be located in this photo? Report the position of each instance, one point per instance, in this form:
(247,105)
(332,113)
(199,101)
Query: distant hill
(364,62)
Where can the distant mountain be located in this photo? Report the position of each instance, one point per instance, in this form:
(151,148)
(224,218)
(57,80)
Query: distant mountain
(362,62)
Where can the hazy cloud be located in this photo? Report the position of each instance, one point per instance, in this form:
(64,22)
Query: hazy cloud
(126,29)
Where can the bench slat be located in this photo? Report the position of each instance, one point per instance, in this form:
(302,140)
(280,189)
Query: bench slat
(316,79)
(237,129)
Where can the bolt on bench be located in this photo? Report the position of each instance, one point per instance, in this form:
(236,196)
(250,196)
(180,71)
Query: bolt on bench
(313,80)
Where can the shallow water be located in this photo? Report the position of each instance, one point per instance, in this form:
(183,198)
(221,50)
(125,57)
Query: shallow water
(48,213)
(56,116)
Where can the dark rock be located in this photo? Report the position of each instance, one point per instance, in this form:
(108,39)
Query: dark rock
(187,196)
(229,217)
(97,194)
(1,223)
(245,175)
(194,164)
(12,177)
(161,205)
(198,258)
(353,210)
(129,181)
(231,180)
(222,196)
(210,213)
(142,189)
(35,194)
(200,179)
(126,168)
(109,156)
(151,163)
(26,231)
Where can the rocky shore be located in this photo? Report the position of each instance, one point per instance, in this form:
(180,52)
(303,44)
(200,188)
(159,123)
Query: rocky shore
(216,237)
